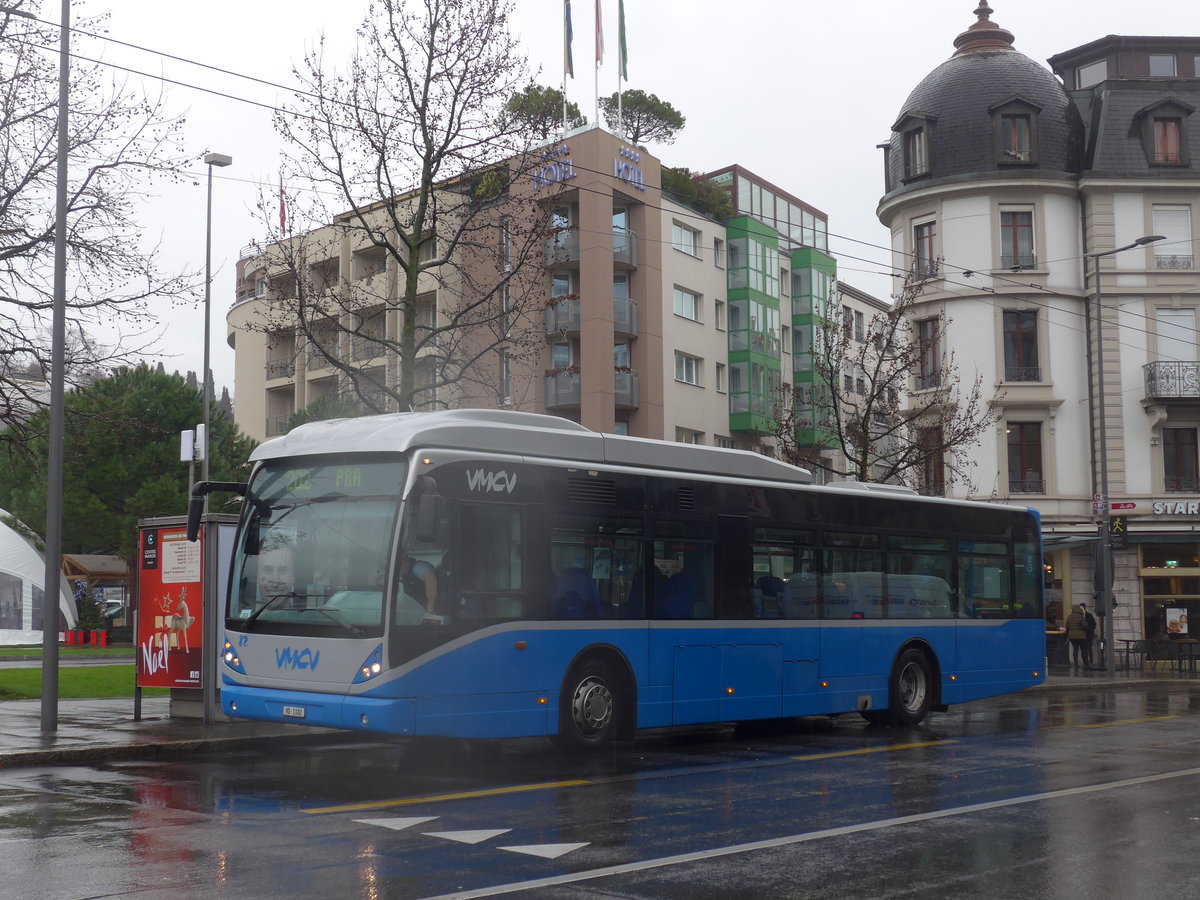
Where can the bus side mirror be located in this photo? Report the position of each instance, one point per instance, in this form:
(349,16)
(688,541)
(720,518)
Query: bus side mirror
(429,507)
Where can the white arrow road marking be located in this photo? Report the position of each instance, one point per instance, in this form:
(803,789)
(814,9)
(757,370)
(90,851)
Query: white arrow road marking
(469,837)
(397,824)
(546,851)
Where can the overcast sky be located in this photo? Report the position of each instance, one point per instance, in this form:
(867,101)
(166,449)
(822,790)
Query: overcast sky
(798,91)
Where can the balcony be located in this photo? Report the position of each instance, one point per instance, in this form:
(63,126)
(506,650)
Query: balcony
(562,387)
(624,249)
(367,346)
(562,315)
(560,247)
(625,317)
(1172,380)
(1180,485)
(281,367)
(276,425)
(626,389)
(929,381)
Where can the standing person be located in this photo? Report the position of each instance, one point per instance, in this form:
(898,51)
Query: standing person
(1077,634)
(1089,625)
(421,583)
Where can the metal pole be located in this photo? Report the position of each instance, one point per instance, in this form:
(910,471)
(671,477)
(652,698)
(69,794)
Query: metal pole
(54,473)
(1105,568)
(206,390)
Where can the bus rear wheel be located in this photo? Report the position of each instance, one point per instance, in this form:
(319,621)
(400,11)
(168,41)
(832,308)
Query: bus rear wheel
(910,692)
(587,711)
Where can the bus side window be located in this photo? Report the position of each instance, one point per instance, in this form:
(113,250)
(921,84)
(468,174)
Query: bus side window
(685,589)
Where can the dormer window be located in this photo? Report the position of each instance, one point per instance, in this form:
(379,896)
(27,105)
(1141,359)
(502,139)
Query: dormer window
(1014,124)
(915,130)
(1163,132)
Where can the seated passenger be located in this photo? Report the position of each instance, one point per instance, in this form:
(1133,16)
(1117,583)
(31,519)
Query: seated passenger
(576,596)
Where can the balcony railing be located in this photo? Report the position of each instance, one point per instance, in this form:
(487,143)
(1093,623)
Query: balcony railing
(283,367)
(366,347)
(562,315)
(932,489)
(1183,485)
(1176,261)
(930,380)
(276,425)
(1019,261)
(626,390)
(1027,486)
(561,247)
(625,248)
(1022,373)
(1172,380)
(562,390)
(625,317)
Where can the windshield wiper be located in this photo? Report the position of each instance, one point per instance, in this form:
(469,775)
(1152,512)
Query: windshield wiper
(290,595)
(335,618)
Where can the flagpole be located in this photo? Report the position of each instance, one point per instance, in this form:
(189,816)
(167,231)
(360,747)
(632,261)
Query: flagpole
(622,64)
(599,60)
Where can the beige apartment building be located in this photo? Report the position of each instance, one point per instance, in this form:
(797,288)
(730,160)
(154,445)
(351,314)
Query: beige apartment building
(636,314)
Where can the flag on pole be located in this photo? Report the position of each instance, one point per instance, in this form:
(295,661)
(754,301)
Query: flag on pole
(624,53)
(282,208)
(599,36)
(568,64)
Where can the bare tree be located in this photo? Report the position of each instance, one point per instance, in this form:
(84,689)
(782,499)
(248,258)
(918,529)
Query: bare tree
(118,142)
(402,262)
(886,406)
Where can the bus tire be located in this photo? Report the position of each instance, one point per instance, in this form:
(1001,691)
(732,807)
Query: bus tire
(587,709)
(910,692)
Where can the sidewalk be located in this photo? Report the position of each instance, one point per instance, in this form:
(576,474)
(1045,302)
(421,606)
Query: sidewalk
(91,731)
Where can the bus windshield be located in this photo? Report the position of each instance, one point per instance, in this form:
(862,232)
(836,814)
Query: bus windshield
(314,548)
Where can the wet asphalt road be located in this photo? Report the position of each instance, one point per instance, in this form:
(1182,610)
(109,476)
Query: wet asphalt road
(1045,794)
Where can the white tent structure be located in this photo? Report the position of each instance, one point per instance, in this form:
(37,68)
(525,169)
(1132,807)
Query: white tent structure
(22,579)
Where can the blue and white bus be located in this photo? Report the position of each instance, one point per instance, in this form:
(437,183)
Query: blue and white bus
(490,574)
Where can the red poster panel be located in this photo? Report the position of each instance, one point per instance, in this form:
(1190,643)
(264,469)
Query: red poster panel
(170,630)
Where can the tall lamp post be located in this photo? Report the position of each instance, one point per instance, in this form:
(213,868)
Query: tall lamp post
(210,160)
(1104,589)
(208,618)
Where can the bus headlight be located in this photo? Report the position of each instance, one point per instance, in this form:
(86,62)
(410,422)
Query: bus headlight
(231,658)
(371,666)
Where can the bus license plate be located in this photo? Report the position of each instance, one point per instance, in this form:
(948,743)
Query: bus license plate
(294,712)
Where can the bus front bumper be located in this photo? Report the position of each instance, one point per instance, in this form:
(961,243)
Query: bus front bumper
(393,716)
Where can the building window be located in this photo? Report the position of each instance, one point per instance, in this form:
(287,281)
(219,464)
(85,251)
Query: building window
(687,368)
(1091,74)
(1016,240)
(719,315)
(1025,458)
(1180,470)
(860,326)
(847,383)
(1020,346)
(916,153)
(1174,223)
(686,240)
(1016,138)
(687,436)
(932,471)
(847,322)
(687,304)
(722,441)
(506,243)
(505,379)
(1162,65)
(929,343)
(720,377)
(924,256)
(718,253)
(1168,145)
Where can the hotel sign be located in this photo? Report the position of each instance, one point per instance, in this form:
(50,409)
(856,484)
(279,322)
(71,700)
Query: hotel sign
(625,169)
(556,169)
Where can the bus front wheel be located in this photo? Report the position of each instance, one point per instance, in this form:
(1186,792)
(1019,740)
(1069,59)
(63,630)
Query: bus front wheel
(587,713)
(910,692)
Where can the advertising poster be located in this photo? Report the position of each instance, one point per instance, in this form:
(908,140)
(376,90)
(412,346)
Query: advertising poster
(170,630)
(1177,622)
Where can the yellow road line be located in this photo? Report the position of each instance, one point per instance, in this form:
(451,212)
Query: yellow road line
(866,750)
(1127,722)
(435,798)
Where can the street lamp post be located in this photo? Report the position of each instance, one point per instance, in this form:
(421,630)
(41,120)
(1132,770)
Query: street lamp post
(210,160)
(1104,589)
(208,618)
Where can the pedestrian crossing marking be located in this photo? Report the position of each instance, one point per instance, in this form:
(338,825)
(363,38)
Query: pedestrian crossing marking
(469,837)
(397,824)
(546,851)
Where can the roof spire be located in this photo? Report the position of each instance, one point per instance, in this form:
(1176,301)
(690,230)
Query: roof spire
(985,36)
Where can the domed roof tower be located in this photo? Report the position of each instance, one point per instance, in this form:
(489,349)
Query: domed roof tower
(988,110)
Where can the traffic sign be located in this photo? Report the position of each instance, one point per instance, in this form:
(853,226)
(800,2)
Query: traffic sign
(1124,506)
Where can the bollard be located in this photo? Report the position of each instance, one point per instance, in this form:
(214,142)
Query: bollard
(70,636)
